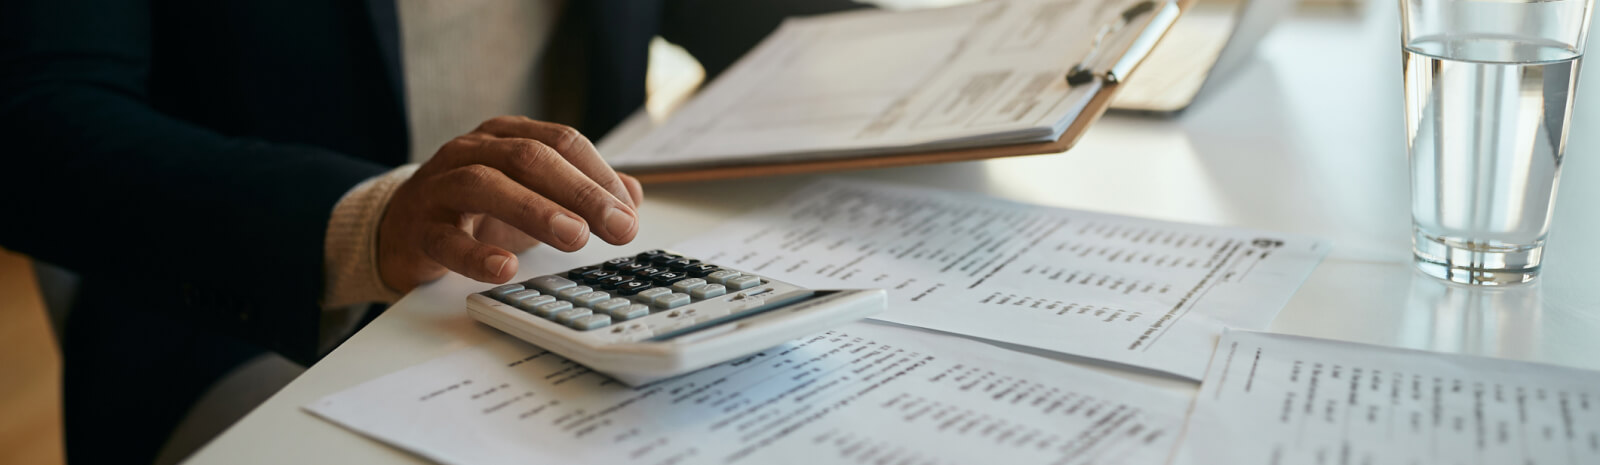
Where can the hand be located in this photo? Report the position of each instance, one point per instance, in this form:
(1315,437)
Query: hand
(510,184)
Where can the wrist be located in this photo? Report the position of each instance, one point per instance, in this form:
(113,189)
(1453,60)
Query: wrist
(351,273)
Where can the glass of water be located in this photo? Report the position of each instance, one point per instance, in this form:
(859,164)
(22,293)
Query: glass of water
(1489,90)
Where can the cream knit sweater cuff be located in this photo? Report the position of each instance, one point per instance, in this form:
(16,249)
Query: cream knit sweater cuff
(350,248)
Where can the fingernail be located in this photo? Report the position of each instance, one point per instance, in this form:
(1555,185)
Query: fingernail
(566,229)
(496,264)
(618,222)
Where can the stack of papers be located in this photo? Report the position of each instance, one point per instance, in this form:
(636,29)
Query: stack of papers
(1149,294)
(863,394)
(880,82)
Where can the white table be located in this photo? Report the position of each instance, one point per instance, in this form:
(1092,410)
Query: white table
(1307,139)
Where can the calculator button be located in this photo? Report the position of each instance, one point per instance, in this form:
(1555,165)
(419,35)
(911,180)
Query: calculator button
(632,287)
(687,284)
(550,284)
(593,321)
(611,282)
(649,295)
(664,259)
(631,267)
(742,282)
(673,300)
(586,300)
(708,291)
(566,316)
(577,273)
(630,312)
(593,277)
(530,304)
(648,272)
(503,290)
(721,277)
(666,279)
(606,306)
(615,263)
(513,297)
(550,308)
(701,270)
(681,264)
(649,254)
(575,291)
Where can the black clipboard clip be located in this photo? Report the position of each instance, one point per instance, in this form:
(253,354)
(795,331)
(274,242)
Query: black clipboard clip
(1105,62)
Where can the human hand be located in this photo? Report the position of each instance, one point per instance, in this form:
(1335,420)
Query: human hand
(504,187)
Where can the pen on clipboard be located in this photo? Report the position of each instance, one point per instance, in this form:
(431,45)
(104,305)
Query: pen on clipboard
(1105,62)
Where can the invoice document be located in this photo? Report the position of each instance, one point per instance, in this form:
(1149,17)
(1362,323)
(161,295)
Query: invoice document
(1278,399)
(874,82)
(865,393)
(1140,292)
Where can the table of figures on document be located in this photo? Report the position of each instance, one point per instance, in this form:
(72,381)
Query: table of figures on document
(866,393)
(1140,292)
(1280,399)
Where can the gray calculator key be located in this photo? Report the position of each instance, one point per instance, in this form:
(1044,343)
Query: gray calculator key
(606,306)
(503,289)
(548,309)
(550,284)
(566,316)
(708,291)
(687,284)
(742,283)
(515,296)
(673,300)
(722,277)
(630,312)
(588,322)
(649,295)
(574,291)
(530,303)
(585,300)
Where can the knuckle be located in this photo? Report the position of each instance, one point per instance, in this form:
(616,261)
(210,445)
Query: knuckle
(453,149)
(531,207)
(474,174)
(497,122)
(530,155)
(458,144)
(591,195)
(566,139)
(435,239)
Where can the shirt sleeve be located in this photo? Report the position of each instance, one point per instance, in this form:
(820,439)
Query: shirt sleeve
(350,266)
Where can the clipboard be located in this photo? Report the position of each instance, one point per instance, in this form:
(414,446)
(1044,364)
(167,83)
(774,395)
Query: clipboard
(1119,49)
(1214,40)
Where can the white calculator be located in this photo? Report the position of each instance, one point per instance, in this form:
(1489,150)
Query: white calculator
(658,314)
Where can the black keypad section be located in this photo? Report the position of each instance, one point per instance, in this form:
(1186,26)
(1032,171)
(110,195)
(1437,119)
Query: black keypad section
(700,271)
(621,289)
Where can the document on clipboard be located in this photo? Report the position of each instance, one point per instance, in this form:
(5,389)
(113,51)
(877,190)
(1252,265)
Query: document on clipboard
(880,88)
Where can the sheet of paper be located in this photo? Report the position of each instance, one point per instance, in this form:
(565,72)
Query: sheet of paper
(859,82)
(1277,399)
(866,393)
(1140,292)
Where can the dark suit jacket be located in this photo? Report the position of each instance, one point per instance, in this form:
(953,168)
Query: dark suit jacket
(184,156)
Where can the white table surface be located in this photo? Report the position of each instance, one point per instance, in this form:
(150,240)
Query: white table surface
(1307,138)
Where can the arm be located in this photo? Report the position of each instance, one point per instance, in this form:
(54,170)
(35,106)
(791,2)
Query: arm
(223,230)
(232,231)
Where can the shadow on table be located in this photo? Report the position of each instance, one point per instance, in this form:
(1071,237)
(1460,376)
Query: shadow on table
(725,198)
(1500,322)
(1308,157)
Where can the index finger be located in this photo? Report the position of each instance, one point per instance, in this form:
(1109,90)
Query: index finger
(571,144)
